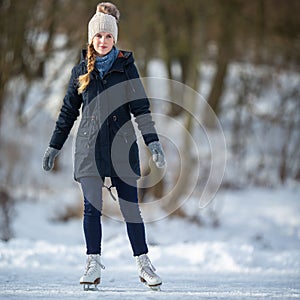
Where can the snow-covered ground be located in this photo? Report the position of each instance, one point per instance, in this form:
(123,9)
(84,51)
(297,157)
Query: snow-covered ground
(253,254)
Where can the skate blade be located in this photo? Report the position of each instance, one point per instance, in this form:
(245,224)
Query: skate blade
(89,286)
(155,287)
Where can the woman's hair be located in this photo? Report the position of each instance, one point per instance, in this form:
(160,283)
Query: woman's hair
(84,80)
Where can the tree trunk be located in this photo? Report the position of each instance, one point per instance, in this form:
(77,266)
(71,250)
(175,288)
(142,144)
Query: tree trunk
(225,49)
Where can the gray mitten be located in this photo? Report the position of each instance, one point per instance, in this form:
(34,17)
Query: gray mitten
(49,156)
(158,155)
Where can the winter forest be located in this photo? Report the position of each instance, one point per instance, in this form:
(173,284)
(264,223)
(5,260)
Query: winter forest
(223,217)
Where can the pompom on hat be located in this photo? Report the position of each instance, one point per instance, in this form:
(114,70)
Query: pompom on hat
(102,22)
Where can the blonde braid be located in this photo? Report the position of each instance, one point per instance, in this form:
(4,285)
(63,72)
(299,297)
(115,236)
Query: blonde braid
(84,79)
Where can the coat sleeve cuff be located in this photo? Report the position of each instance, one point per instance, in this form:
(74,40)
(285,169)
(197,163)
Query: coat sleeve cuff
(149,138)
(57,147)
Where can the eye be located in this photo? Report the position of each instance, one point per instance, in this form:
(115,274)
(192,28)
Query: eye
(109,36)
(98,35)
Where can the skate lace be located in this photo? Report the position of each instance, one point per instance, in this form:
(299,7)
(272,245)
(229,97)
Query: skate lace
(91,262)
(146,266)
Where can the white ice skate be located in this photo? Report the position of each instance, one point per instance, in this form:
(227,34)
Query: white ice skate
(147,274)
(92,273)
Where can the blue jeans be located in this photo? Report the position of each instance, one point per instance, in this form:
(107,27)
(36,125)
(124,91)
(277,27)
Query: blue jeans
(128,201)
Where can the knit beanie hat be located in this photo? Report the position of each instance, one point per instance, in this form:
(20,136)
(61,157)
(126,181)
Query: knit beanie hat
(102,22)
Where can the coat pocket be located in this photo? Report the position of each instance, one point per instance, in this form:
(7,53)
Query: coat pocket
(88,131)
(123,128)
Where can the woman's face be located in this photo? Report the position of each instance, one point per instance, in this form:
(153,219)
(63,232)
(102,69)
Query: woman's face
(103,43)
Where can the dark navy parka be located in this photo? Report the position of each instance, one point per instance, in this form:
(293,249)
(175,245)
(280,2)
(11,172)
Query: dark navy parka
(106,141)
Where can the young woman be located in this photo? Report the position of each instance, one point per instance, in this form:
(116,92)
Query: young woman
(106,85)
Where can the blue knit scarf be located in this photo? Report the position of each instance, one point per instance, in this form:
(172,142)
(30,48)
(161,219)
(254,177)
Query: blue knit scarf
(104,63)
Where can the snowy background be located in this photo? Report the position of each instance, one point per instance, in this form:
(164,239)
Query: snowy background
(246,247)
(245,244)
